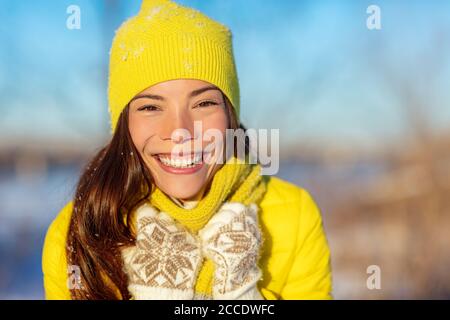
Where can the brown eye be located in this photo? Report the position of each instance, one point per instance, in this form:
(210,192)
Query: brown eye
(207,103)
(148,108)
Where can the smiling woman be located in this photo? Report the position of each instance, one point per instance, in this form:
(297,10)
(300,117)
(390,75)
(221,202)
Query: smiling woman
(151,222)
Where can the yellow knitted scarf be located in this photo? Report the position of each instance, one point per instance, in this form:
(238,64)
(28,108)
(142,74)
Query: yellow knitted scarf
(235,181)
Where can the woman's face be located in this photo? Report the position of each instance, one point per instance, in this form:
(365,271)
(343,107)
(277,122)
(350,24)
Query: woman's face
(161,123)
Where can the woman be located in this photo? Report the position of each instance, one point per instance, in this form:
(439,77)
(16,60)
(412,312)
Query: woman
(164,212)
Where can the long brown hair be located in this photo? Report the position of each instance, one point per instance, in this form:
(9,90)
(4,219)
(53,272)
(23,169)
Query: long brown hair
(111,186)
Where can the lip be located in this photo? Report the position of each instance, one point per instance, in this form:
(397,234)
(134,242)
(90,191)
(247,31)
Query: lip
(173,170)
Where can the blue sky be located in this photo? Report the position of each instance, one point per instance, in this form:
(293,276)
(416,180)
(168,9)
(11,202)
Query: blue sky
(310,68)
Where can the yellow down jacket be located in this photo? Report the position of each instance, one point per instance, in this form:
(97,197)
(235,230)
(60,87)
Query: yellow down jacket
(295,260)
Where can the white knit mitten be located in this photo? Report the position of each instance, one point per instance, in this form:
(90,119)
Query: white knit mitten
(232,239)
(166,259)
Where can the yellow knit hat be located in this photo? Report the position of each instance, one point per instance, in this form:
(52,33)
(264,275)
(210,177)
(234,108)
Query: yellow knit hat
(167,41)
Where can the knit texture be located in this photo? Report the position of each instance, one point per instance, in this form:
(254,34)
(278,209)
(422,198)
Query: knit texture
(235,181)
(166,259)
(232,239)
(167,41)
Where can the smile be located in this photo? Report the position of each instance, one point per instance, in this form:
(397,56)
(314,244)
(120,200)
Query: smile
(180,165)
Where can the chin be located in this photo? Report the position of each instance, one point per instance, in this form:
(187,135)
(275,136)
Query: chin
(182,188)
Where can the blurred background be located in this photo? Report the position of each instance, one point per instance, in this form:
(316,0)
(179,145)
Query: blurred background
(364,119)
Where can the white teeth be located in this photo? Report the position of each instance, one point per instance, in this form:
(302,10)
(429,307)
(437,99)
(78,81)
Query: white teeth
(181,163)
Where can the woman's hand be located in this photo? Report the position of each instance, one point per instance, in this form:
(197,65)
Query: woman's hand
(166,259)
(232,239)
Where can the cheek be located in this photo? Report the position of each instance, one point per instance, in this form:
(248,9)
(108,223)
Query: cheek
(140,130)
(214,134)
(217,121)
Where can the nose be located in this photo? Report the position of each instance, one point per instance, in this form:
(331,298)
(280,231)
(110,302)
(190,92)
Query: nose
(179,127)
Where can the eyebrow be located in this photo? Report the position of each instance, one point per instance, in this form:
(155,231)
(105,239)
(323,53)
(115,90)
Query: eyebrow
(192,94)
(201,90)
